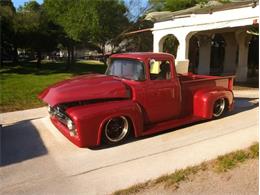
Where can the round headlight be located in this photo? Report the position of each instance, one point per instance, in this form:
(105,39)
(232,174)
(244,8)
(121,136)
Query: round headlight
(70,125)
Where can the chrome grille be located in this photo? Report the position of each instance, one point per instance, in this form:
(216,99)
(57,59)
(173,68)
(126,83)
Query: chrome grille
(59,114)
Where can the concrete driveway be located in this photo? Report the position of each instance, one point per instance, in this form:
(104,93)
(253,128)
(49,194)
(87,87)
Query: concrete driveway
(37,159)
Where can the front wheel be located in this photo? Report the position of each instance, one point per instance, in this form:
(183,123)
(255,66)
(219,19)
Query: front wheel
(116,130)
(219,108)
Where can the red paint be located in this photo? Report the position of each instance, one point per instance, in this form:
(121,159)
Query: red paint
(151,105)
(82,88)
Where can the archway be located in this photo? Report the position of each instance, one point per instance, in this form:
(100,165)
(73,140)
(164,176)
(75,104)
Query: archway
(217,54)
(253,57)
(193,54)
(169,44)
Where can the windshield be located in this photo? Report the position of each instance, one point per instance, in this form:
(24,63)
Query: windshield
(126,68)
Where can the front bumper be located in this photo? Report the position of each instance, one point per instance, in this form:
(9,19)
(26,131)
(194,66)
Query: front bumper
(64,130)
(60,119)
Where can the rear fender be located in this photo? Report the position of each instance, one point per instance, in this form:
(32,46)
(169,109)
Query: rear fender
(204,99)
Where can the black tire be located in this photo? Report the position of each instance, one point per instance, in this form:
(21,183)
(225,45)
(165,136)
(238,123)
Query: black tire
(116,130)
(219,108)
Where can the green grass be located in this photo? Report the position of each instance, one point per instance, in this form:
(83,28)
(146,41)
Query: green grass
(21,83)
(226,162)
(133,189)
(221,164)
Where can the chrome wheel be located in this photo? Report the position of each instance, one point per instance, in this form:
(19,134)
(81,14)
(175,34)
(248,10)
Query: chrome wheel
(219,107)
(116,129)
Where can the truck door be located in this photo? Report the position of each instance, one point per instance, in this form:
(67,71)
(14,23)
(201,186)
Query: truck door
(163,96)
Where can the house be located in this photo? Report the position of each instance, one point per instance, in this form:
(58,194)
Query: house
(216,38)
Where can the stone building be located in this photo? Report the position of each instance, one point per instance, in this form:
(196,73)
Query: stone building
(212,39)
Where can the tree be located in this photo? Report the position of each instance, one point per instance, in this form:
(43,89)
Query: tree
(139,42)
(170,45)
(111,22)
(34,30)
(7,13)
(173,5)
(135,41)
(76,18)
(88,21)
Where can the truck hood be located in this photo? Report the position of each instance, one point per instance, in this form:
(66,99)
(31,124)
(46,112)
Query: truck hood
(81,88)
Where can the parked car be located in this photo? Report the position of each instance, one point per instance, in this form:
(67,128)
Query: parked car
(140,94)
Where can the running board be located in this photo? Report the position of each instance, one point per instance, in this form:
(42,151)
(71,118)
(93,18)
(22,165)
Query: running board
(166,125)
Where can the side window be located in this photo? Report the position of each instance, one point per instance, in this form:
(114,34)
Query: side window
(160,70)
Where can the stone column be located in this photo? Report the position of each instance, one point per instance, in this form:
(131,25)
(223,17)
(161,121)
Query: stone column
(160,44)
(182,58)
(156,42)
(230,53)
(181,52)
(242,68)
(204,54)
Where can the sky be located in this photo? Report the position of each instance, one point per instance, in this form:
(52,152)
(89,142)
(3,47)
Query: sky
(18,3)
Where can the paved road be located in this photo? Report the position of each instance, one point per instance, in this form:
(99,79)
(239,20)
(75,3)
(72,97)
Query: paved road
(37,159)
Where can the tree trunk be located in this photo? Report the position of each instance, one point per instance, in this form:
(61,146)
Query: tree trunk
(72,55)
(15,55)
(39,58)
(104,52)
(69,58)
(139,43)
(1,58)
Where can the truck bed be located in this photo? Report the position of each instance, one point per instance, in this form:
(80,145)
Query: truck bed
(221,81)
(191,83)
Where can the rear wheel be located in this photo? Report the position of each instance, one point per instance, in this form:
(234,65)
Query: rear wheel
(219,107)
(116,130)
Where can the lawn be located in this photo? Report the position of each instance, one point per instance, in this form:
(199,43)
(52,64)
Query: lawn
(22,82)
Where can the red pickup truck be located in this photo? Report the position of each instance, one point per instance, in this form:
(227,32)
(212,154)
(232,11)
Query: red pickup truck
(140,94)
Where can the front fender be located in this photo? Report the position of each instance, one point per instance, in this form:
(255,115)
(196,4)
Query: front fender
(204,99)
(90,119)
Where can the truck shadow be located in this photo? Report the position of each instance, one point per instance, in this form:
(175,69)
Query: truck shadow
(20,141)
(241,105)
(244,104)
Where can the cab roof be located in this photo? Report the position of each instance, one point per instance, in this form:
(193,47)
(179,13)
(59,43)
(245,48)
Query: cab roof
(142,55)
